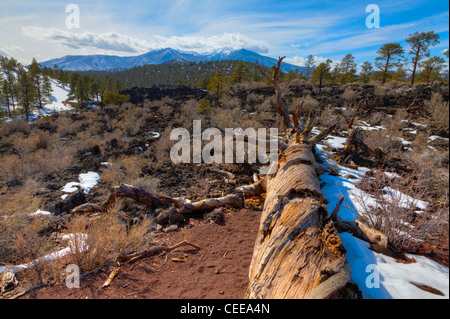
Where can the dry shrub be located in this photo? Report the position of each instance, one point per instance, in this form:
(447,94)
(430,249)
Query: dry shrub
(395,210)
(189,109)
(14,126)
(350,94)
(125,169)
(230,102)
(95,241)
(37,141)
(14,217)
(311,104)
(32,245)
(439,110)
(298,82)
(11,168)
(162,148)
(391,145)
(254,99)
(67,127)
(381,90)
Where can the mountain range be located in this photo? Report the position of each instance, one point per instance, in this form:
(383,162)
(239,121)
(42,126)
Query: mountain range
(109,62)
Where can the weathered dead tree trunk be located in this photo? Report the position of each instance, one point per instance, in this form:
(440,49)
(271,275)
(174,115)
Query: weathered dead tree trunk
(298,253)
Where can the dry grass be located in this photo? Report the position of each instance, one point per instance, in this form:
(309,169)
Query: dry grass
(95,241)
(439,110)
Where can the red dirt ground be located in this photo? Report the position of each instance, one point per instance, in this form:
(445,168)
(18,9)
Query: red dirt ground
(218,271)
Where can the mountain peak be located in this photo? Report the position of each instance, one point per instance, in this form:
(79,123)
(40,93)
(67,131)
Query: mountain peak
(160,56)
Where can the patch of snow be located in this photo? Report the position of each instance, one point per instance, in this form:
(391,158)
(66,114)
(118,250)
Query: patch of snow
(335,141)
(40,213)
(435,137)
(395,279)
(87,182)
(71,187)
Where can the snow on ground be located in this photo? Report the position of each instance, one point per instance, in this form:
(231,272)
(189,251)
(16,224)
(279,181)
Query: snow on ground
(87,182)
(377,276)
(434,138)
(76,243)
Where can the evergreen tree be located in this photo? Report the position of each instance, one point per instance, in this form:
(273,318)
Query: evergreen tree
(366,72)
(217,86)
(322,73)
(400,74)
(26,92)
(81,92)
(431,69)
(391,55)
(420,44)
(240,73)
(310,64)
(346,70)
(37,77)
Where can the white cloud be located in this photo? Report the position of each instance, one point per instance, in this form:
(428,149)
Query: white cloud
(12,49)
(116,42)
(300,61)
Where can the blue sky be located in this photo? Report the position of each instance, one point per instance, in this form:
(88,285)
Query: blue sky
(323,28)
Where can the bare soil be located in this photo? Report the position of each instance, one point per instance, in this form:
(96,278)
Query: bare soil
(218,271)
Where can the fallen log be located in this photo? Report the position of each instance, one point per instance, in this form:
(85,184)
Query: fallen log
(298,253)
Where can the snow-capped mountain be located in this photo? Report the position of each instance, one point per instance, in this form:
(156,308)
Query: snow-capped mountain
(109,62)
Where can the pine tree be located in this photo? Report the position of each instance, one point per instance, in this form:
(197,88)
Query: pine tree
(26,92)
(391,55)
(217,86)
(36,75)
(420,44)
(431,69)
(310,64)
(322,73)
(346,70)
(240,74)
(366,72)
(81,92)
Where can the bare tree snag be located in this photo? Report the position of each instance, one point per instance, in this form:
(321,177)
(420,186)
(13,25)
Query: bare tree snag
(298,253)
(354,145)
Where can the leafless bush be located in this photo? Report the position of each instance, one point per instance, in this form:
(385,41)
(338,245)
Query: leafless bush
(350,94)
(393,206)
(439,110)
(15,126)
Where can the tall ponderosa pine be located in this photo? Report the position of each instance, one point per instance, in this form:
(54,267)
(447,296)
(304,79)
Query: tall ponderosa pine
(420,44)
(391,55)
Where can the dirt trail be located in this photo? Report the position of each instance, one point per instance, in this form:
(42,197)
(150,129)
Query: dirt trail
(218,271)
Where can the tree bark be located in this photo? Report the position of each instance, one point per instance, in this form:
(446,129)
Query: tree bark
(297,248)
(298,253)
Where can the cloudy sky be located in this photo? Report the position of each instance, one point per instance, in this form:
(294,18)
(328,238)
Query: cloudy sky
(295,28)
